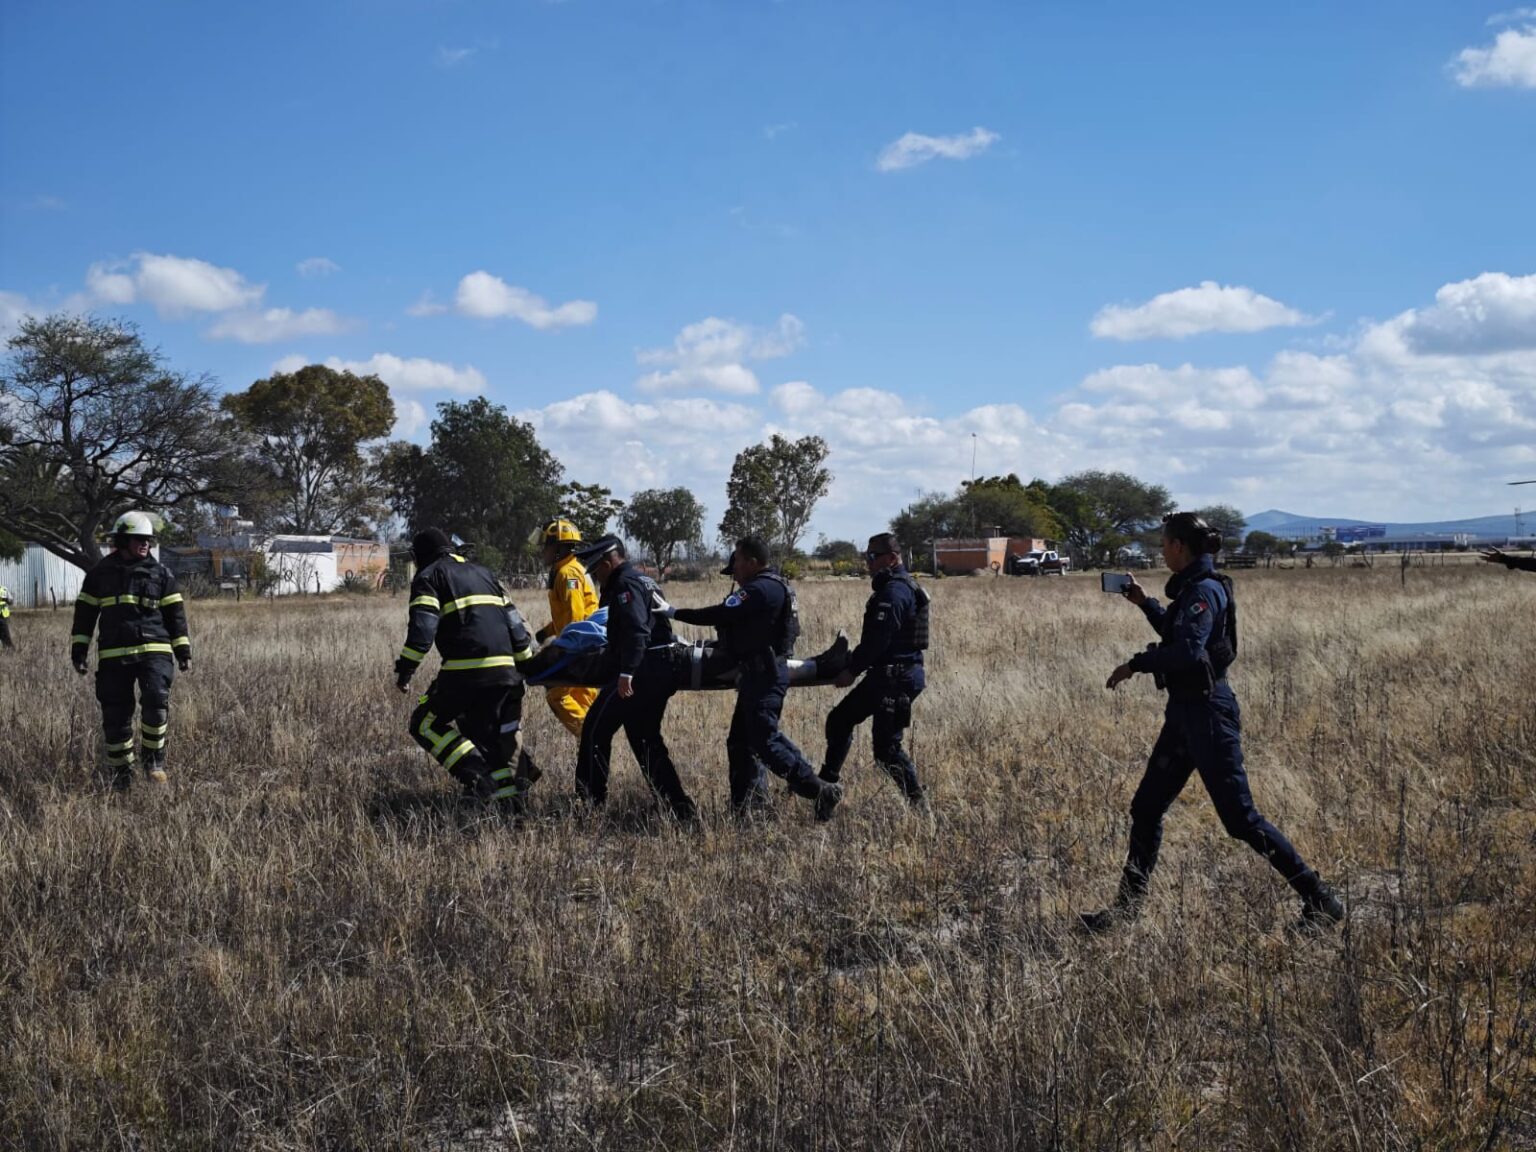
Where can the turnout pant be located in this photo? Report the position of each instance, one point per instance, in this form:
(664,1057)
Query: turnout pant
(884,695)
(5,633)
(474,731)
(570,706)
(754,740)
(1204,735)
(116,681)
(640,716)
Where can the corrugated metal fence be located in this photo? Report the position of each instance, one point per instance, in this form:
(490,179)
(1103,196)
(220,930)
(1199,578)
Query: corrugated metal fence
(40,579)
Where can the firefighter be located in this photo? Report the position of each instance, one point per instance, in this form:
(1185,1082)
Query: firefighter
(758,624)
(470,718)
(1513,563)
(142,640)
(5,618)
(890,651)
(572,597)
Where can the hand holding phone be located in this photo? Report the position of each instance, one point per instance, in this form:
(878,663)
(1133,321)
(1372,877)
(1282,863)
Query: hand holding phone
(1116,581)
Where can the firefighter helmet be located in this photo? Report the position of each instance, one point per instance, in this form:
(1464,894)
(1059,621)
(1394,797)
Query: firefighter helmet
(559,532)
(134,524)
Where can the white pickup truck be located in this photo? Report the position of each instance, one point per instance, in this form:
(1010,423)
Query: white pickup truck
(1040,563)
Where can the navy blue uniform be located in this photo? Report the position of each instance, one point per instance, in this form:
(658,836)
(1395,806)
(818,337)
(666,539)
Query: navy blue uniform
(749,621)
(639,646)
(1202,730)
(889,653)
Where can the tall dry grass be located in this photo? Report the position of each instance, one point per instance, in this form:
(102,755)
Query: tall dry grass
(305,943)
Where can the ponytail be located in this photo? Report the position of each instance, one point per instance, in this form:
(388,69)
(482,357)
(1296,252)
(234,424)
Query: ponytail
(1193,532)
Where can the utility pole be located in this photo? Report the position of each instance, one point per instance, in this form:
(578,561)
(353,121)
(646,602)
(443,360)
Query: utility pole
(973,484)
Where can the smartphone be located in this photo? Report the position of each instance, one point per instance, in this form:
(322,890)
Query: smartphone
(1114,581)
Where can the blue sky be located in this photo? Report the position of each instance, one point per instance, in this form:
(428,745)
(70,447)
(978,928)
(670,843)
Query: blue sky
(1277,256)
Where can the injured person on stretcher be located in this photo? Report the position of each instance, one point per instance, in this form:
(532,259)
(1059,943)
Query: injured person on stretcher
(575,657)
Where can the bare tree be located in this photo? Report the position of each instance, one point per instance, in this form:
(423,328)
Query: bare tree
(92,422)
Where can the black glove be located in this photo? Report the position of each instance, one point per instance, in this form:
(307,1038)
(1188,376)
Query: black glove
(183,660)
(80,664)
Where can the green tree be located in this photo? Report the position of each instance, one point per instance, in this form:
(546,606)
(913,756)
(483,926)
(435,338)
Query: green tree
(11,548)
(772,490)
(1101,512)
(590,507)
(663,521)
(1007,504)
(485,477)
(843,550)
(309,431)
(1262,544)
(92,423)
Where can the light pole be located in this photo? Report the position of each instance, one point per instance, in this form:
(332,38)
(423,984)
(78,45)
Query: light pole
(973,484)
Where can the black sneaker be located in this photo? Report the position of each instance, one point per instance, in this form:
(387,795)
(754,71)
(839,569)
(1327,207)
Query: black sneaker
(827,800)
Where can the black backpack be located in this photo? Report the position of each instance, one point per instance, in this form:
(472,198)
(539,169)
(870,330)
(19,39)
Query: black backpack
(786,630)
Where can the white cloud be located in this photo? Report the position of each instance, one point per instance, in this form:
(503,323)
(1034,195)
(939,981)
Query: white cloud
(317,266)
(1509,62)
(274,324)
(452,57)
(483,295)
(174,285)
(1209,307)
(14,308)
(426,306)
(914,148)
(774,131)
(1513,16)
(1494,312)
(711,355)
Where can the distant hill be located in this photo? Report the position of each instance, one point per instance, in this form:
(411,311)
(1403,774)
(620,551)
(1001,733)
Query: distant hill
(1288,524)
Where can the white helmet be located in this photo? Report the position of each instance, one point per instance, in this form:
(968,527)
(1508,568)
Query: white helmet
(134,524)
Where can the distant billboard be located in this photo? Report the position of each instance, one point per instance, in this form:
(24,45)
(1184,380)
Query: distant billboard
(1354,533)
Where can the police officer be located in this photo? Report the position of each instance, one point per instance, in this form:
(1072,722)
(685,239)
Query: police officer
(758,624)
(1202,726)
(143,627)
(637,682)
(470,718)
(5,618)
(1513,563)
(571,597)
(890,653)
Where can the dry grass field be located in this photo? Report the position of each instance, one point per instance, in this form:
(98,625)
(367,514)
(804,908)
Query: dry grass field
(305,942)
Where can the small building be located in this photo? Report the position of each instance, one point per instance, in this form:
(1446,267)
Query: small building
(961,556)
(40,579)
(285,564)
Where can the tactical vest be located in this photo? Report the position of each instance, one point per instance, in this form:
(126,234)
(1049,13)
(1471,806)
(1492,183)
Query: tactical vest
(1220,649)
(914,633)
(786,629)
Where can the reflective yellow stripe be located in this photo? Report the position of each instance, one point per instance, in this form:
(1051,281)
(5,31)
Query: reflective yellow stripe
(482,662)
(507,793)
(412,655)
(136,650)
(431,602)
(86,640)
(527,653)
(439,740)
(118,759)
(459,753)
(173,598)
(87,598)
(154,743)
(181,642)
(154,730)
(470,601)
(114,601)
(125,745)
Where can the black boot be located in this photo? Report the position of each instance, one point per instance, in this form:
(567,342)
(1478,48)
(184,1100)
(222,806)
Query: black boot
(826,800)
(1321,907)
(1127,906)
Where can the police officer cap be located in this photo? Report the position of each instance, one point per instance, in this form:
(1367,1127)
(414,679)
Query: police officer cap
(590,554)
(883,543)
(428,544)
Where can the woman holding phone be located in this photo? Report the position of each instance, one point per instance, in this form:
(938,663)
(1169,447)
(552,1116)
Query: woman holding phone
(1202,727)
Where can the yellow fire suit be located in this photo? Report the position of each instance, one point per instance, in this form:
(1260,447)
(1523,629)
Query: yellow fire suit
(571,597)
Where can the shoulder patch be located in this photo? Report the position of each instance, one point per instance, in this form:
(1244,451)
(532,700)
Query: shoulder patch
(624,597)
(1197,607)
(734,599)
(572,582)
